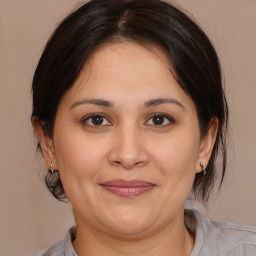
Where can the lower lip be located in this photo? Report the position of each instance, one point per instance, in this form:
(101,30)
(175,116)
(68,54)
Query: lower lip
(128,191)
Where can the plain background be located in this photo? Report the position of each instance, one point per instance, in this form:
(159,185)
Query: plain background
(30,218)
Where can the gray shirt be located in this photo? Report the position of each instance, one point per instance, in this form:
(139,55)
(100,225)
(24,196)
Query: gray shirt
(212,238)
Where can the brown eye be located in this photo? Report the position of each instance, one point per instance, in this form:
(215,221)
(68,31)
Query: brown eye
(96,120)
(160,120)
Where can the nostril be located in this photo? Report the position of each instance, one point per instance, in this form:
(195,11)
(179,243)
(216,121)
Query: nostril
(128,151)
(124,163)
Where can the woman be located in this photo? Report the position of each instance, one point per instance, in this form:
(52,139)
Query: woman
(130,113)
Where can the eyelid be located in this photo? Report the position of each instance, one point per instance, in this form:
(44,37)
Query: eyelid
(86,118)
(170,119)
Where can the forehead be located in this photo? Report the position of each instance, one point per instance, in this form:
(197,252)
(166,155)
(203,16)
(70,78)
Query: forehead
(124,52)
(116,70)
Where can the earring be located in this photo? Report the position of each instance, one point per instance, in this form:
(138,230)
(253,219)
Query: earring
(51,169)
(202,166)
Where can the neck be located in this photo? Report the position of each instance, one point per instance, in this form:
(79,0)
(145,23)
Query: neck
(171,240)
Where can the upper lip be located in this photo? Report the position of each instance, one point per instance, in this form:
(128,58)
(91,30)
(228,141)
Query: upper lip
(128,183)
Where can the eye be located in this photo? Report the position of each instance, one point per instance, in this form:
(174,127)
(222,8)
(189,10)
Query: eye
(160,120)
(96,120)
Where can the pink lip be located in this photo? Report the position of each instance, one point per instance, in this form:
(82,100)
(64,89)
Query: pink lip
(128,188)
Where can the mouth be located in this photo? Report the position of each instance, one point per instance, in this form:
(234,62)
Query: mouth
(128,188)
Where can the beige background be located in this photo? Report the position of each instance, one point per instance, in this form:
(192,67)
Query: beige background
(29,217)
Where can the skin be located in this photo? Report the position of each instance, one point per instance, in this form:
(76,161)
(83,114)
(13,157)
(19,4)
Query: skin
(129,144)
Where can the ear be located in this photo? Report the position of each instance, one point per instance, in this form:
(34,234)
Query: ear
(207,144)
(46,143)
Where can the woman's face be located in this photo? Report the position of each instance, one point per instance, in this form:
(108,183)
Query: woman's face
(126,141)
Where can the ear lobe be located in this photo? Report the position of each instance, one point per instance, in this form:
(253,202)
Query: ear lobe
(45,143)
(207,144)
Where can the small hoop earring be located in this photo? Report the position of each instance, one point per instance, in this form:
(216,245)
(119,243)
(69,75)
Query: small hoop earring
(51,169)
(203,169)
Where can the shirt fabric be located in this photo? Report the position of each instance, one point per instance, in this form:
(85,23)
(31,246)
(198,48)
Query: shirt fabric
(212,238)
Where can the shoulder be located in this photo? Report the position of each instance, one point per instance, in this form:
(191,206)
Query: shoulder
(61,248)
(226,238)
(56,249)
(236,239)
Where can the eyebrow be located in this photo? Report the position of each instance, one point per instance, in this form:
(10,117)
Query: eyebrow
(108,104)
(98,102)
(159,101)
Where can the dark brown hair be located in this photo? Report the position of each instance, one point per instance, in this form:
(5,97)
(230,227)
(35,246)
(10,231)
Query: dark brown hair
(191,55)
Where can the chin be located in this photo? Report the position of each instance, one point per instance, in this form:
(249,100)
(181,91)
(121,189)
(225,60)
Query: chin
(131,229)
(130,223)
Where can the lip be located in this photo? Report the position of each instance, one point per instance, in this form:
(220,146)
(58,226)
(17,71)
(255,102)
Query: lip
(128,188)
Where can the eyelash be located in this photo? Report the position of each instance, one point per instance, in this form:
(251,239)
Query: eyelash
(166,117)
(85,120)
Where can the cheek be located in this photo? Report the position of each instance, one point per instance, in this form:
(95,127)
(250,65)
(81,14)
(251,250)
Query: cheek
(78,154)
(80,160)
(176,157)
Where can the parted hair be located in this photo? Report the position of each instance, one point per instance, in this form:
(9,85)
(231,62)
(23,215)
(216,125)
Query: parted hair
(192,57)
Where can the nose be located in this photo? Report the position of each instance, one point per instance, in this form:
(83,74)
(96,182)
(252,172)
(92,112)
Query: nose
(128,149)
